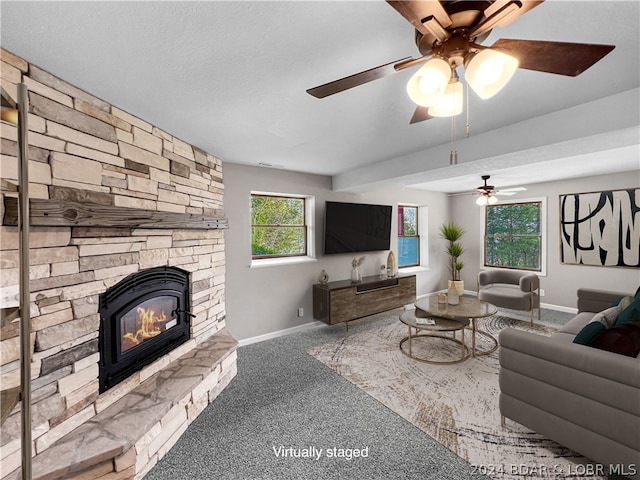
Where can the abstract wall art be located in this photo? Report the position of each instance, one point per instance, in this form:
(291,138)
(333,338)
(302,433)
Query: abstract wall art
(601,228)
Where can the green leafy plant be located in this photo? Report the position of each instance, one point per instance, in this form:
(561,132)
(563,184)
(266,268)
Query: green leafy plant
(452,233)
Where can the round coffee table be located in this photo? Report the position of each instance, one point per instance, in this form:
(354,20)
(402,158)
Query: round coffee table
(408,317)
(469,308)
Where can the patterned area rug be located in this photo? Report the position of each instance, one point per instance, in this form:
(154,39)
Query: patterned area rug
(456,404)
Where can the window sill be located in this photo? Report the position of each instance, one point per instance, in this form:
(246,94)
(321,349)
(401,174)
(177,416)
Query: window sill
(276,262)
(541,273)
(417,269)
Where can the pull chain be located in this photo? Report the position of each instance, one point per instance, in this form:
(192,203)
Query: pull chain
(467,105)
(453,154)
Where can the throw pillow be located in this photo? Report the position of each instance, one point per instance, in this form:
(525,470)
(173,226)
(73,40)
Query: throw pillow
(623,339)
(588,333)
(599,323)
(609,316)
(624,302)
(629,314)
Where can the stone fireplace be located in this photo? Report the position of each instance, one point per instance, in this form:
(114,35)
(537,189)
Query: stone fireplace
(145,296)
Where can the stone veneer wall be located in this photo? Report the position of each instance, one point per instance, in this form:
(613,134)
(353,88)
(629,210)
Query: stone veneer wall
(83,149)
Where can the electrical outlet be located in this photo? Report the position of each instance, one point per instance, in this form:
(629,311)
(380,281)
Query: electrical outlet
(301,312)
(541,292)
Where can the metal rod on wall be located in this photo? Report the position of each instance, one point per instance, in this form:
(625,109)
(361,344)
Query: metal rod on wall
(25,311)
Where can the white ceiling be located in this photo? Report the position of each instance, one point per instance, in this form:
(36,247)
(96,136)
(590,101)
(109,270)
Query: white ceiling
(230,77)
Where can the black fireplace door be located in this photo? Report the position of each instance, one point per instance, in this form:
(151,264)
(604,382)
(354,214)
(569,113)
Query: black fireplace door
(142,317)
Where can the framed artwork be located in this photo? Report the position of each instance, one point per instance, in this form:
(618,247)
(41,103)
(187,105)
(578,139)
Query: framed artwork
(601,228)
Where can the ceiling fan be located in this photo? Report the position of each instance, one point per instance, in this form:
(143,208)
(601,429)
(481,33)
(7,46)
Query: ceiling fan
(488,192)
(449,34)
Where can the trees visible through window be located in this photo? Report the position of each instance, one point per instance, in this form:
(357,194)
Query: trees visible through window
(513,236)
(278,226)
(408,238)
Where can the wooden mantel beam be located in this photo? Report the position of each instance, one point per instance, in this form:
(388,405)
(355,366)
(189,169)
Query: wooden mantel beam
(63,213)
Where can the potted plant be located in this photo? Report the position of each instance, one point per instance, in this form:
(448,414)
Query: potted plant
(452,233)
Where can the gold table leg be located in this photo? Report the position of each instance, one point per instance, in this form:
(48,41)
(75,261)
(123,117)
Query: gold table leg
(473,338)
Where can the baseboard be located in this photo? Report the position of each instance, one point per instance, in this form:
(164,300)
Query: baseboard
(279,333)
(559,308)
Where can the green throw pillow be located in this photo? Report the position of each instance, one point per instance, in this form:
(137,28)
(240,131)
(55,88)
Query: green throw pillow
(599,323)
(630,314)
(588,332)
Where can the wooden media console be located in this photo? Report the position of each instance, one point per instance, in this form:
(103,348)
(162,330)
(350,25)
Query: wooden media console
(344,300)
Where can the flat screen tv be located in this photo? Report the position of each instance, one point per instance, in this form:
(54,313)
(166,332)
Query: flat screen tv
(356,227)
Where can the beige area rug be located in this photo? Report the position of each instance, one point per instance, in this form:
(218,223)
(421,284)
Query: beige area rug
(456,404)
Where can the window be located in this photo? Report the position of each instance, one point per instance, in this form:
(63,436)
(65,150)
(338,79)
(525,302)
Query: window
(408,236)
(514,235)
(278,226)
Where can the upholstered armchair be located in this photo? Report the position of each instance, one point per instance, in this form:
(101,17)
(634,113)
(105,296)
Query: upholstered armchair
(510,289)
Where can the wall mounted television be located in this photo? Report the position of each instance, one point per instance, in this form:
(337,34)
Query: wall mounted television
(356,227)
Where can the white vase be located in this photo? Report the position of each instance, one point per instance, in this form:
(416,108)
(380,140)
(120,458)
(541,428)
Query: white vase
(452,295)
(355,275)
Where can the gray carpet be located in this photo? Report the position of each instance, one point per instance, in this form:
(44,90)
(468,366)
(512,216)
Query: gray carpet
(282,397)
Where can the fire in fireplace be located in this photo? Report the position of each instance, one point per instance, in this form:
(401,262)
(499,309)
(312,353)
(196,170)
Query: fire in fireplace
(142,317)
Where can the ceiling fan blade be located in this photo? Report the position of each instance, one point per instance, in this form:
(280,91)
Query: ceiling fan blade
(503,14)
(351,81)
(499,4)
(511,191)
(416,12)
(562,58)
(420,115)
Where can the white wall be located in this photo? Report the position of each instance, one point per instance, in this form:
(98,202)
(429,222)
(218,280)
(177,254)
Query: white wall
(561,281)
(264,300)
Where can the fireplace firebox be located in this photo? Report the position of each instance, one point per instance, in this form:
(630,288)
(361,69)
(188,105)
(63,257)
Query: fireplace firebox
(142,317)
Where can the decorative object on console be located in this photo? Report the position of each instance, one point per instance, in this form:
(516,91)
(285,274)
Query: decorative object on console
(596,228)
(452,233)
(356,276)
(323,278)
(392,265)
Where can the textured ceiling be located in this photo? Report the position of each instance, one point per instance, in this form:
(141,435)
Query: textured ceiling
(230,77)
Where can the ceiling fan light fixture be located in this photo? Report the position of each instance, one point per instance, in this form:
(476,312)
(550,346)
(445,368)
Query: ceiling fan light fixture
(488,71)
(451,103)
(486,199)
(429,83)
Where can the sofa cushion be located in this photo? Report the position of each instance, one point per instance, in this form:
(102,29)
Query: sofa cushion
(600,322)
(622,339)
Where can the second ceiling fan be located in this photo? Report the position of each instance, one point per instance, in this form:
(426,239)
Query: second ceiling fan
(449,34)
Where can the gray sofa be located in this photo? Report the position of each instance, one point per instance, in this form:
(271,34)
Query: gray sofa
(581,397)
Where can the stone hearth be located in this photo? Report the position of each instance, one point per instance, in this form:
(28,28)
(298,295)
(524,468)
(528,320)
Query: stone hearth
(84,151)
